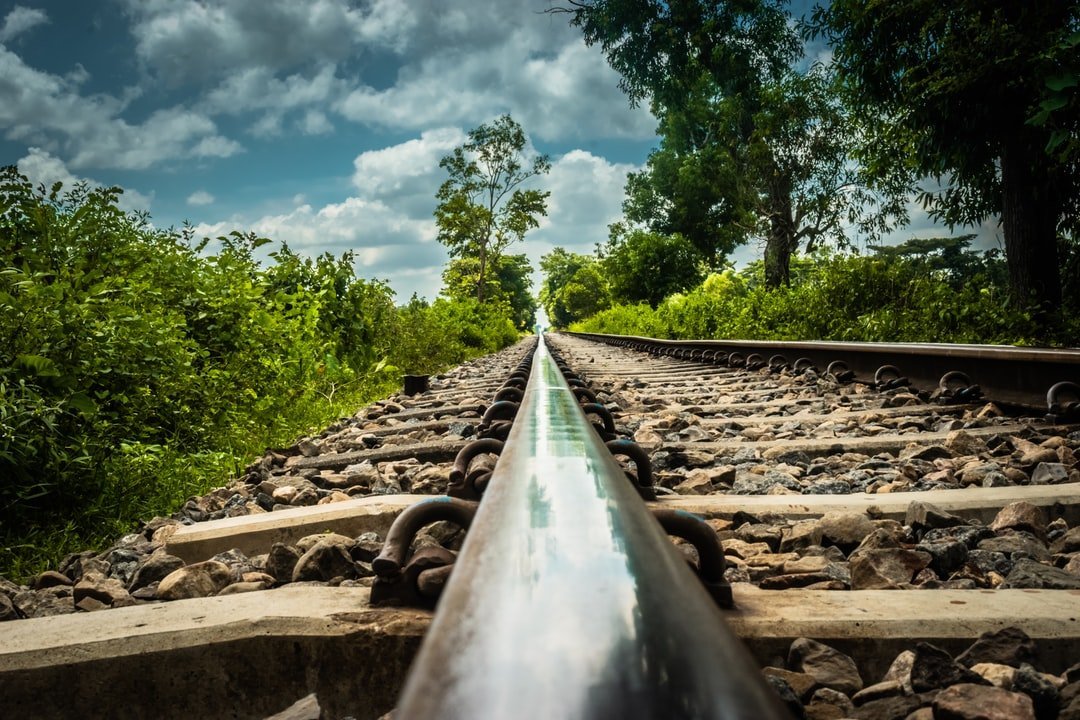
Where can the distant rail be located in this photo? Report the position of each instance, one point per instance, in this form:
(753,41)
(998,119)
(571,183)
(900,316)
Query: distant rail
(568,600)
(1023,377)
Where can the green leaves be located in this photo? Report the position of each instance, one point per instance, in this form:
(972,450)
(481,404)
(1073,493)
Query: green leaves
(482,208)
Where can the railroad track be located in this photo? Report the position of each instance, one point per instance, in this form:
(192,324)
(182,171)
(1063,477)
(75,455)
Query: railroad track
(868,511)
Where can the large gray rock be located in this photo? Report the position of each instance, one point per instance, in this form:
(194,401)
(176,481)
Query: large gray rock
(925,516)
(155,568)
(1017,544)
(7,608)
(324,561)
(1049,473)
(198,580)
(281,560)
(934,668)
(1007,646)
(1030,574)
(1067,543)
(831,668)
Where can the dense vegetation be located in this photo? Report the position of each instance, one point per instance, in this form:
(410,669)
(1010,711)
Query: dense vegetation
(139,366)
(922,291)
(971,108)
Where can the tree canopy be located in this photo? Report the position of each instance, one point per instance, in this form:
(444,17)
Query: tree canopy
(643,266)
(971,93)
(507,281)
(483,207)
(574,287)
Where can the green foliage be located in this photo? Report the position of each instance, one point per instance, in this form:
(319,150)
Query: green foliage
(508,282)
(448,332)
(482,208)
(979,94)
(752,146)
(138,368)
(960,298)
(642,266)
(574,287)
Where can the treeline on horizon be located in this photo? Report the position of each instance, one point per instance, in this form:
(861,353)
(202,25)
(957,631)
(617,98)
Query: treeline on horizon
(141,366)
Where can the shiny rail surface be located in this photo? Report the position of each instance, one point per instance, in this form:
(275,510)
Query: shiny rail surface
(1008,375)
(568,600)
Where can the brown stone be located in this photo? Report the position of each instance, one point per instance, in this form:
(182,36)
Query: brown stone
(802,684)
(877,691)
(886,569)
(845,529)
(979,702)
(1021,516)
(106,590)
(50,578)
(197,580)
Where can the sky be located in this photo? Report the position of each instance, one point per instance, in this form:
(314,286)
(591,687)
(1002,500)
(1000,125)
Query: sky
(319,123)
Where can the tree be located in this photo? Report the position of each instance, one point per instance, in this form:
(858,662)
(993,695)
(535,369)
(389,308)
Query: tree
(643,266)
(751,148)
(508,280)
(966,92)
(482,207)
(574,287)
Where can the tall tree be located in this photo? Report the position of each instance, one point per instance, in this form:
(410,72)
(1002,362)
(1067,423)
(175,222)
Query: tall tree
(482,207)
(750,147)
(964,92)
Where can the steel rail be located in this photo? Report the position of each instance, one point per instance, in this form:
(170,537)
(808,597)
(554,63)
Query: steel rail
(569,601)
(1010,375)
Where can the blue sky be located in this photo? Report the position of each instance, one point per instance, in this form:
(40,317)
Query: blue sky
(319,123)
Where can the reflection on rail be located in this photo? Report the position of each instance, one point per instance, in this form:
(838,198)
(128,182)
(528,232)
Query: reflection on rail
(568,600)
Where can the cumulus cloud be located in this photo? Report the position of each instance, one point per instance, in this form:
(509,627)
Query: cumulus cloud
(200,197)
(315,123)
(388,222)
(19,20)
(48,111)
(586,197)
(187,42)
(407,174)
(467,64)
(41,168)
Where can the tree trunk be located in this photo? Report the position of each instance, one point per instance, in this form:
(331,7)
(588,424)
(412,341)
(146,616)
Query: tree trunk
(1030,208)
(780,243)
(480,278)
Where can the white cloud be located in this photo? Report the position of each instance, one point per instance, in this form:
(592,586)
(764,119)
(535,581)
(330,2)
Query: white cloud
(19,20)
(586,196)
(200,197)
(467,64)
(315,123)
(407,174)
(47,111)
(42,168)
(188,42)
(389,224)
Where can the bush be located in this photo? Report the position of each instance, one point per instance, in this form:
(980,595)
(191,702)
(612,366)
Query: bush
(137,369)
(851,298)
